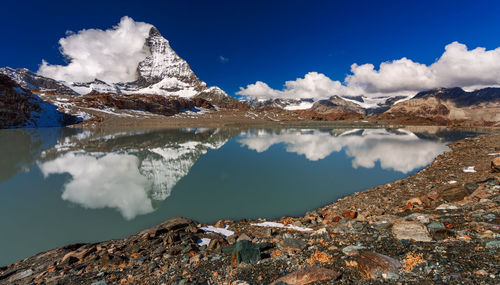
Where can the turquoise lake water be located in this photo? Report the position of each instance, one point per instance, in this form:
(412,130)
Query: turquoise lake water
(61,185)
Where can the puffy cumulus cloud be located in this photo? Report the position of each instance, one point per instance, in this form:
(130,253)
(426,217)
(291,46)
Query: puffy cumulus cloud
(402,151)
(313,85)
(457,67)
(259,90)
(111,55)
(94,186)
(398,75)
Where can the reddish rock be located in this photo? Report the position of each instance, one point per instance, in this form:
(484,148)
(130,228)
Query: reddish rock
(308,276)
(350,214)
(448,225)
(336,219)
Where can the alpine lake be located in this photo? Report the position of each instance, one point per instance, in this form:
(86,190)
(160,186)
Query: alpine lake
(60,186)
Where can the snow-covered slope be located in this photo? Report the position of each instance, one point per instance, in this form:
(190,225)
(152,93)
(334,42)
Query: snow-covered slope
(21,108)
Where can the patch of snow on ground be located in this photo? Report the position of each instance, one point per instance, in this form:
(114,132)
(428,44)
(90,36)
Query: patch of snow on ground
(84,116)
(204,241)
(280,225)
(48,116)
(225,232)
(469,169)
(494,153)
(452,182)
(300,106)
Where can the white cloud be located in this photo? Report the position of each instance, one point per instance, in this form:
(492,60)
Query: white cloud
(94,186)
(223,59)
(110,55)
(457,67)
(401,152)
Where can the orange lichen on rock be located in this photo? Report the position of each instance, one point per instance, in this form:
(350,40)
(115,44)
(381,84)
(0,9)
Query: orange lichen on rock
(319,256)
(411,260)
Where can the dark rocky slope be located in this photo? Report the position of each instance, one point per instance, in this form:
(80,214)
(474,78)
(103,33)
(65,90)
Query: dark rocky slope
(21,108)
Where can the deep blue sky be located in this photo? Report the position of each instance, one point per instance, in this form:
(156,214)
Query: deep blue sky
(271,41)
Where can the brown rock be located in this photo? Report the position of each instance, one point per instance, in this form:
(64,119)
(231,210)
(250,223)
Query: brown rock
(336,219)
(350,214)
(308,276)
(77,255)
(373,265)
(495,165)
(455,194)
(448,225)
(171,224)
(411,230)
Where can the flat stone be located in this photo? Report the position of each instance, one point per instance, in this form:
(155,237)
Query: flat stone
(411,231)
(307,276)
(171,224)
(374,265)
(456,193)
(435,226)
(21,275)
(293,243)
(245,251)
(493,244)
(446,207)
(352,249)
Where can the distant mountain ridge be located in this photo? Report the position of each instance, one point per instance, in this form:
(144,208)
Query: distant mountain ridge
(448,106)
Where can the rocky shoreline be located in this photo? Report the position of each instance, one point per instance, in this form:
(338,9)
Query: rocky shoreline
(438,226)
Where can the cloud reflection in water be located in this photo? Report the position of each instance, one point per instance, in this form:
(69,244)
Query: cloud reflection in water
(401,150)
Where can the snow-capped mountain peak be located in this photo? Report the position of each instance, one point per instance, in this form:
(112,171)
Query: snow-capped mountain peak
(163,62)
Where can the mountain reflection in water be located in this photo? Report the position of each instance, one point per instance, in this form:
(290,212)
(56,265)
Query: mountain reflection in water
(131,173)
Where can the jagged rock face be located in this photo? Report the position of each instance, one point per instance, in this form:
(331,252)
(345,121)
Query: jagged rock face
(163,62)
(30,81)
(21,108)
(16,103)
(335,104)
